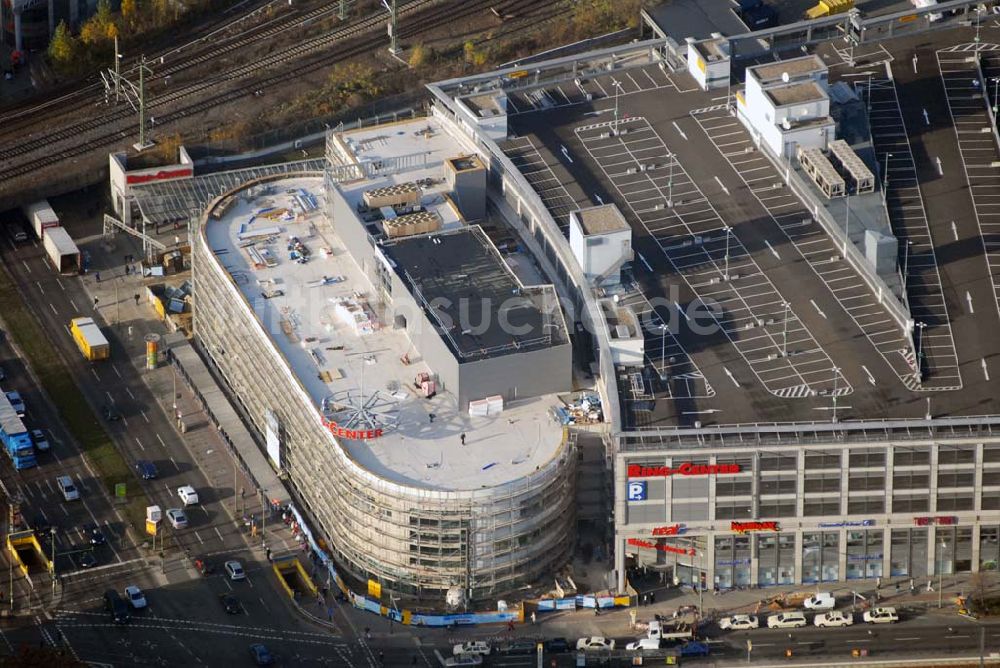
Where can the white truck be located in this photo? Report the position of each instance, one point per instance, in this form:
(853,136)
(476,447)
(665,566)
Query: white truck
(41,216)
(62,252)
(932,16)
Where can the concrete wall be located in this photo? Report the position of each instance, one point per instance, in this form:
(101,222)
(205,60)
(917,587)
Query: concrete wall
(515,377)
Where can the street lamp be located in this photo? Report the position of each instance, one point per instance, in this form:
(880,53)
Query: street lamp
(618,88)
(52,537)
(784,330)
(885,174)
(663,351)
(729,232)
(920,343)
(940,563)
(670,182)
(996,81)
(906,264)
(836,373)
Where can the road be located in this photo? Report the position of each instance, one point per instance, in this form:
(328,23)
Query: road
(185,623)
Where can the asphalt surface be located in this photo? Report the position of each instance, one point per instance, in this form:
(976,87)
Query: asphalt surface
(878,382)
(185,623)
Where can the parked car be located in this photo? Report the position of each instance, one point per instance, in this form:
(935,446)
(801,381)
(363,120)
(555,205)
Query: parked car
(261,654)
(643,644)
(464,660)
(39,439)
(478,647)
(17,403)
(135,597)
(177,518)
(595,643)
(557,646)
(833,618)
(86,558)
(95,534)
(188,495)
(230,604)
(519,648)
(823,600)
(146,469)
(786,620)
(694,648)
(67,488)
(110,414)
(114,604)
(235,570)
(739,623)
(881,616)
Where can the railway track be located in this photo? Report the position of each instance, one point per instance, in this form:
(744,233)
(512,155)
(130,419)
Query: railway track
(183,57)
(308,56)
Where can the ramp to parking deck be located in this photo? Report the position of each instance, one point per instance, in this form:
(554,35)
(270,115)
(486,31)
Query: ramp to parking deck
(240,441)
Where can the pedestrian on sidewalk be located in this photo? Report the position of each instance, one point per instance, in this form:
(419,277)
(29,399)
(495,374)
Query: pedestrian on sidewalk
(897,587)
(878,582)
(97,276)
(136,297)
(462,437)
(533,618)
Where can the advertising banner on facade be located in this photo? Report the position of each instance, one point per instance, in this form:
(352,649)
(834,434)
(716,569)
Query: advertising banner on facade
(272,438)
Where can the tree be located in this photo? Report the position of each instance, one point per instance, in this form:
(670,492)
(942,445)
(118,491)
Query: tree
(129,11)
(62,46)
(418,56)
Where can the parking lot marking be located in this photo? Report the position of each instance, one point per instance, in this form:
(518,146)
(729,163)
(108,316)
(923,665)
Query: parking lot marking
(139,443)
(968,300)
(144,417)
(679,131)
(219,534)
(129,393)
(198,536)
(160,440)
(986,370)
(968,109)
(176,466)
(708,254)
(530,163)
(94,371)
(815,246)
(53,308)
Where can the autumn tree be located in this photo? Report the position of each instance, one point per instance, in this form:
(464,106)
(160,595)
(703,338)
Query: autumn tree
(418,56)
(62,46)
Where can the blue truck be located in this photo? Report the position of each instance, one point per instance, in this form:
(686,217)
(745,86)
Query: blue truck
(15,437)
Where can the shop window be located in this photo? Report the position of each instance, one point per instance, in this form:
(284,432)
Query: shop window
(989,547)
(908,556)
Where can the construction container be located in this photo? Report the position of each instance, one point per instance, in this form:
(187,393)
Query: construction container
(41,216)
(63,253)
(828,8)
(89,339)
(421,222)
(152,351)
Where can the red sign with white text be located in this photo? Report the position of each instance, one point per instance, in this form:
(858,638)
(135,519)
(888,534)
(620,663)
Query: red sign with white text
(162,175)
(638,542)
(946,520)
(745,527)
(672,530)
(687,468)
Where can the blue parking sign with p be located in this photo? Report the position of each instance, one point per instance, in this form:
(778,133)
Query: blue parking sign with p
(637,491)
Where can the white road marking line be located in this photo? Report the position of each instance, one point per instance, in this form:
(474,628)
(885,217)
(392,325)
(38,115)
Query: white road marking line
(261,602)
(144,417)
(927,120)
(198,536)
(160,440)
(679,131)
(818,309)
(40,288)
(139,443)
(954,230)
(61,286)
(73,304)
(731,377)
(27,268)
(939,167)
(968,299)
(95,374)
(117,372)
(871,378)
(219,534)
(722,185)
(129,392)
(645,263)
(53,308)
(986,370)
(175,465)
(771,248)
(110,398)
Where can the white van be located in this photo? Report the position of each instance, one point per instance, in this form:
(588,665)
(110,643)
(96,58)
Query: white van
(643,644)
(68,489)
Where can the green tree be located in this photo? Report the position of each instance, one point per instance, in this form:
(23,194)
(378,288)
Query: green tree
(62,46)
(129,12)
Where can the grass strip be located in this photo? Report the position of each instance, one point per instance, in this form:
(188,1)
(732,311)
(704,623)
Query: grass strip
(76,414)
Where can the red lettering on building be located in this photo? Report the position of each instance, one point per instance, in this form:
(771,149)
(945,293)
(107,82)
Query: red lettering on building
(638,542)
(352,434)
(946,520)
(744,527)
(687,468)
(673,530)
(162,175)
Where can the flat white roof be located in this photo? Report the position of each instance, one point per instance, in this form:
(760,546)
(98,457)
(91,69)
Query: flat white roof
(332,360)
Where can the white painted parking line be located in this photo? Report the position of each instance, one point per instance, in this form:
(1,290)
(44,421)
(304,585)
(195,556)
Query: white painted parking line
(679,131)
(771,248)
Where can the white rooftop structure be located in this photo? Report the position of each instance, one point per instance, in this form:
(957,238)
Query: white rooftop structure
(321,316)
